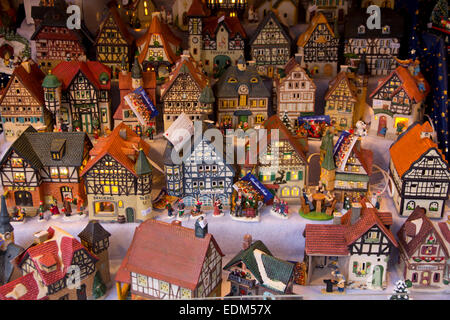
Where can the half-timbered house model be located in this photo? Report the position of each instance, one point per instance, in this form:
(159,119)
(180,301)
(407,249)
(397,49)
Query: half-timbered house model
(270,46)
(53,9)
(114,42)
(187,91)
(216,41)
(288,10)
(22,103)
(353,168)
(233,8)
(420,172)
(398,102)
(55,42)
(168,261)
(296,92)
(44,166)
(380,45)
(243,98)
(424,251)
(83,96)
(340,101)
(357,244)
(255,271)
(128,82)
(319,47)
(9,250)
(118,177)
(203,174)
(331,9)
(48,267)
(158,47)
(282,166)
(137,13)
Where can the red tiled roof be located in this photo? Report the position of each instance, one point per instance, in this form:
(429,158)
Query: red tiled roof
(408,82)
(426,229)
(233,24)
(444,226)
(118,148)
(365,156)
(166,252)
(65,71)
(31,81)
(60,247)
(197,9)
(31,286)
(325,239)
(403,155)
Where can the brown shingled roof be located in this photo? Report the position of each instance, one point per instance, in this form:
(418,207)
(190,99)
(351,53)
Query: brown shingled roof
(114,13)
(325,239)
(234,25)
(166,252)
(197,9)
(318,18)
(342,76)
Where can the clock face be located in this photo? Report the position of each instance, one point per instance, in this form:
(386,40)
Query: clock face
(243,89)
(194,40)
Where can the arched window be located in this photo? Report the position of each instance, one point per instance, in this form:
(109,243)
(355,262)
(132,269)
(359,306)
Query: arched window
(434,206)
(411,205)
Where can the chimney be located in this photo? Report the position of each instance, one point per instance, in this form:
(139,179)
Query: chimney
(41,236)
(247,241)
(123,133)
(299,59)
(356,212)
(337,218)
(201,227)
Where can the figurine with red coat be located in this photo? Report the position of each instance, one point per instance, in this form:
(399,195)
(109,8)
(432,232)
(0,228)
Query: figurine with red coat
(54,210)
(218,208)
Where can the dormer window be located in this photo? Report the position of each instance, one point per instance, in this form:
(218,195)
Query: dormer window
(58,149)
(48,263)
(254,80)
(386,30)
(232,80)
(361,29)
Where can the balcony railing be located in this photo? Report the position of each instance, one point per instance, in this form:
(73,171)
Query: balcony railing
(248,283)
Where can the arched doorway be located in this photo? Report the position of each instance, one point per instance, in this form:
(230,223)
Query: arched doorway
(382,126)
(130,214)
(222,63)
(23,199)
(377,278)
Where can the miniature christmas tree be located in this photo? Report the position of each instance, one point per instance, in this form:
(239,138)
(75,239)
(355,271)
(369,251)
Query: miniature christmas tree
(400,291)
(440,12)
(98,287)
(286,121)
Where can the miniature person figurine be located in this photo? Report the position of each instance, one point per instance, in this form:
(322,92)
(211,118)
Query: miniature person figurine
(41,210)
(80,204)
(181,207)
(286,209)
(169,209)
(275,204)
(218,207)
(198,207)
(308,197)
(54,209)
(238,205)
(67,206)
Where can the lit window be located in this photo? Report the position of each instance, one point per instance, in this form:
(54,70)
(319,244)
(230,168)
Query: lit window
(19,177)
(17,163)
(120,204)
(142,280)
(232,80)
(186,293)
(115,189)
(54,173)
(63,172)
(164,286)
(386,30)
(106,189)
(254,80)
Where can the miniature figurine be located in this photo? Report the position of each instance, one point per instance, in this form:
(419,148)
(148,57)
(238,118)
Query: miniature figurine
(414,171)
(67,205)
(181,207)
(54,210)
(169,261)
(218,208)
(198,209)
(169,209)
(41,211)
(18,215)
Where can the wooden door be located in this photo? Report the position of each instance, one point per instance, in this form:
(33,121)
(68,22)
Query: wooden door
(377,278)
(81,293)
(130,214)
(425,280)
(86,122)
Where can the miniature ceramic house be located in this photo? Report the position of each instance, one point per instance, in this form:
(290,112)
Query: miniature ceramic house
(118,177)
(51,33)
(114,42)
(83,100)
(288,175)
(424,251)
(44,166)
(353,168)
(187,91)
(255,271)
(137,13)
(341,101)
(288,10)
(270,45)
(8,249)
(158,47)
(242,96)
(215,41)
(295,91)
(358,245)
(380,45)
(128,82)
(45,266)
(232,8)
(397,102)
(168,261)
(22,102)
(332,9)
(13,48)
(319,47)
(420,172)
(203,174)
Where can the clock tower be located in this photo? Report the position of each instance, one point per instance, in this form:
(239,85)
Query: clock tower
(195,15)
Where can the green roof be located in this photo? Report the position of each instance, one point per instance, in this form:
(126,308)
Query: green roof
(104,77)
(142,165)
(352,177)
(377,111)
(51,81)
(207,96)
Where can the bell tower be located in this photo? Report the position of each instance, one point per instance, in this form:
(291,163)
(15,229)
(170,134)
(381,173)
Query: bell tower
(195,15)
(137,79)
(361,82)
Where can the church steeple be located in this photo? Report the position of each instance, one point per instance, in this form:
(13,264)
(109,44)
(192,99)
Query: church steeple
(136,74)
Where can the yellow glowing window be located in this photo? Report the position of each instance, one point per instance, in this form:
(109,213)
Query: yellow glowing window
(107,189)
(232,80)
(63,172)
(361,185)
(285,192)
(341,183)
(186,293)
(401,120)
(266,178)
(242,100)
(163,286)
(115,189)
(17,163)
(145,4)
(142,280)
(254,103)
(19,177)
(262,103)
(254,80)
(146,11)
(54,173)
(295,192)
(259,118)
(120,204)
(287,156)
(294,176)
